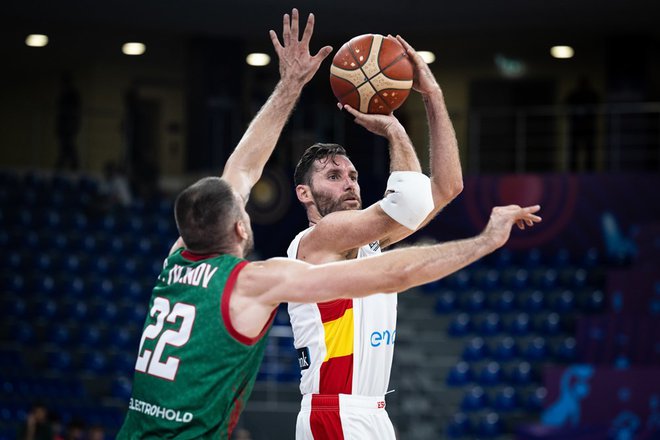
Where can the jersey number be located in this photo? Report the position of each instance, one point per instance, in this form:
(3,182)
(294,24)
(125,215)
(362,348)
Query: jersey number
(149,362)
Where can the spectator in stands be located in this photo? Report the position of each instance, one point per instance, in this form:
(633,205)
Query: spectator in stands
(96,432)
(75,430)
(582,103)
(115,188)
(69,115)
(37,426)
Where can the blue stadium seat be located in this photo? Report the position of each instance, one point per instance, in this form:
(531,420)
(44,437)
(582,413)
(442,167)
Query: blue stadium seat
(460,374)
(561,258)
(475,350)
(521,324)
(567,350)
(506,399)
(503,258)
(17,307)
(506,349)
(573,277)
(591,258)
(122,387)
(446,302)
(536,399)
(491,374)
(522,374)
(59,360)
(474,399)
(459,426)
(504,301)
(460,325)
(487,279)
(92,336)
(534,301)
(489,425)
(544,278)
(595,300)
(533,258)
(460,280)
(94,362)
(60,335)
(551,324)
(123,338)
(537,349)
(475,301)
(14,283)
(490,325)
(564,301)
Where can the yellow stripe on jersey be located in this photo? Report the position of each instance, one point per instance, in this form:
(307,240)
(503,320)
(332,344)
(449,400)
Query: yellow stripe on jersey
(339,336)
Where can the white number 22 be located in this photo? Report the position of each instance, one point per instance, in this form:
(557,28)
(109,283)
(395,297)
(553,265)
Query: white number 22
(149,362)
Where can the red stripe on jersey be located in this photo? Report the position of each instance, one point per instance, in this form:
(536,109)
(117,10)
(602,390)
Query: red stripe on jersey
(324,420)
(336,376)
(224,306)
(332,310)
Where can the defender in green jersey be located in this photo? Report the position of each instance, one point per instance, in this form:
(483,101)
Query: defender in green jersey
(179,391)
(194,370)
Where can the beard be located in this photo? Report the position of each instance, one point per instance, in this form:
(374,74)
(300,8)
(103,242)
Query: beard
(326,204)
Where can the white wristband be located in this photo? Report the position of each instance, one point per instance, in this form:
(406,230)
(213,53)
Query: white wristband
(409,200)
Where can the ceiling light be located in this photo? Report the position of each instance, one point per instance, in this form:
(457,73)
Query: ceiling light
(562,51)
(133,48)
(36,40)
(258,59)
(427,56)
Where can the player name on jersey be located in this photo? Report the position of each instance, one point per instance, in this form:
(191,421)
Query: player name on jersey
(192,276)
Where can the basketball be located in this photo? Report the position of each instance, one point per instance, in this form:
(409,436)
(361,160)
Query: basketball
(372,74)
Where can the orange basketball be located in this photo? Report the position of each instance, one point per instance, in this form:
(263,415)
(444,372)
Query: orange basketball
(372,74)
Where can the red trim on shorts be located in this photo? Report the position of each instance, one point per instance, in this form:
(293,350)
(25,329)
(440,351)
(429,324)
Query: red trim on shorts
(224,308)
(332,310)
(324,419)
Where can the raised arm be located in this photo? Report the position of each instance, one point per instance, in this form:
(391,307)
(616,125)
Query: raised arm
(297,67)
(446,174)
(445,164)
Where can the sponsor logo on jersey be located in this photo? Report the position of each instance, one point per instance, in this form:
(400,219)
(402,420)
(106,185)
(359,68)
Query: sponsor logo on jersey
(385,337)
(303,358)
(374,246)
(153,410)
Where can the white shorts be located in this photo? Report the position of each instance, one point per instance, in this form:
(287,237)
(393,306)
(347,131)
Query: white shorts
(343,417)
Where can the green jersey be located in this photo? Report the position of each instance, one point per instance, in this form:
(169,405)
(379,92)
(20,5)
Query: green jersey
(194,371)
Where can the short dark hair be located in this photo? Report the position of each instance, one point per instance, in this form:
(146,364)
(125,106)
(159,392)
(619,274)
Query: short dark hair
(205,213)
(312,154)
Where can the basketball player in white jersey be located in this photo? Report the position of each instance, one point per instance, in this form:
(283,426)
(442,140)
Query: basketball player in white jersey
(345,347)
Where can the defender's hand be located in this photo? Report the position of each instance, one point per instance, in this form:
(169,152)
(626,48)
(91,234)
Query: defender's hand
(296,62)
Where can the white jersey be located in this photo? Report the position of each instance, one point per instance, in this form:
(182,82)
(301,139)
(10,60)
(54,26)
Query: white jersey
(345,346)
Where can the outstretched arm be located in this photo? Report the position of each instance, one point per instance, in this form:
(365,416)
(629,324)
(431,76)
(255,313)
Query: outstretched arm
(297,67)
(263,285)
(281,280)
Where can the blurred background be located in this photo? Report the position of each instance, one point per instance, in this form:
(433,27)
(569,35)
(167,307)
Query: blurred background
(108,109)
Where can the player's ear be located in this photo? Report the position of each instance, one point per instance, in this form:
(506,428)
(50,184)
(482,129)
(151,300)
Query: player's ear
(241,230)
(304,193)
